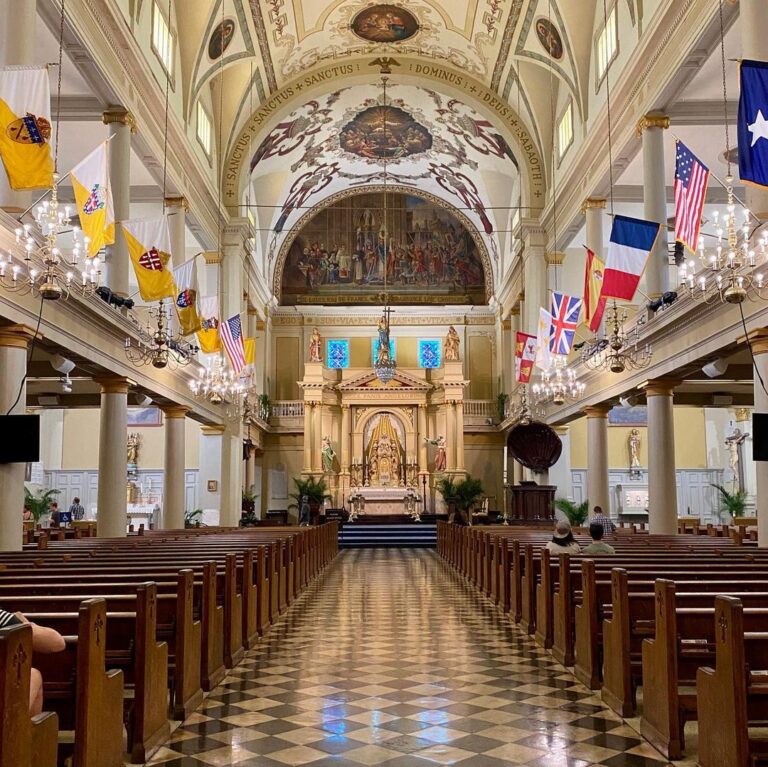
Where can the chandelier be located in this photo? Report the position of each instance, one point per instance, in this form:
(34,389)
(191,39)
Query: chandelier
(620,350)
(524,410)
(157,345)
(38,262)
(725,271)
(558,384)
(218,384)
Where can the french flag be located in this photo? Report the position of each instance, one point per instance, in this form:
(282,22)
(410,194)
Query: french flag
(632,240)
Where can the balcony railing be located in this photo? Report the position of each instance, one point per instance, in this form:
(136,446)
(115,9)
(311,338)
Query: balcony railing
(287,409)
(481,408)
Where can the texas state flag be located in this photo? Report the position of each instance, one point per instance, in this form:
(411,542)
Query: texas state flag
(631,241)
(753,122)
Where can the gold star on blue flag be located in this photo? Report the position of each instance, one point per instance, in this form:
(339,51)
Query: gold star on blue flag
(753,123)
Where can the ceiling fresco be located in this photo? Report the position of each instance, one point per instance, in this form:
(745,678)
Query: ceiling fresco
(352,139)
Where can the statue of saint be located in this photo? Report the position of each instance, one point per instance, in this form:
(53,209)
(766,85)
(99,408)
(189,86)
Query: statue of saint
(329,455)
(315,346)
(134,440)
(452,345)
(440,444)
(383,330)
(634,449)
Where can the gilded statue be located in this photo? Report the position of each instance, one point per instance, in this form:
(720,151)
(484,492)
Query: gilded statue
(452,345)
(134,440)
(383,330)
(315,346)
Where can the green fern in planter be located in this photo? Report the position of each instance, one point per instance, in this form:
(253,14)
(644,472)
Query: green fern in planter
(734,504)
(39,503)
(576,513)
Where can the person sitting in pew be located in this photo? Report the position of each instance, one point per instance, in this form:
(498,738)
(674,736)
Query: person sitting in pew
(563,541)
(44,640)
(603,519)
(598,545)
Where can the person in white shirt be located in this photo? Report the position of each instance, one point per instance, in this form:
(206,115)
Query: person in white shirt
(563,541)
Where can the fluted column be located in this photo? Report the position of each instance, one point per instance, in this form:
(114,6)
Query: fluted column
(174,483)
(317,436)
(459,406)
(308,407)
(14,340)
(662,479)
(651,127)
(236,234)
(122,125)
(450,437)
(753,21)
(760,352)
(345,436)
(593,209)
(597,457)
(534,274)
(422,424)
(113,461)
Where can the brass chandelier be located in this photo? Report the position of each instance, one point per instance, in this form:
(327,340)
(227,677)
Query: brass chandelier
(157,345)
(621,349)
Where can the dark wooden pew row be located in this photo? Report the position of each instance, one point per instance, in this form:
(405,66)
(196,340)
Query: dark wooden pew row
(25,741)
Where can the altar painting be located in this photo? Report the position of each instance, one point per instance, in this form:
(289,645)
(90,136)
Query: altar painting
(344,252)
(384,442)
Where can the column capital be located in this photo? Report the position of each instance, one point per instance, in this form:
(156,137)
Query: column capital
(742,414)
(555,258)
(506,324)
(212,430)
(652,121)
(597,411)
(177,202)
(113,384)
(16,336)
(593,203)
(660,387)
(120,116)
(212,257)
(515,310)
(345,407)
(758,341)
(174,411)
(561,430)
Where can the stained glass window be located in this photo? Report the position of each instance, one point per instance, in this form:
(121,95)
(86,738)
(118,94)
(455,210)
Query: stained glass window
(429,353)
(338,353)
(375,348)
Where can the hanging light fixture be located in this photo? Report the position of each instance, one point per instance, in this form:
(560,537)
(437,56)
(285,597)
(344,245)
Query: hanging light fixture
(384,366)
(621,349)
(559,384)
(157,345)
(40,262)
(217,384)
(525,410)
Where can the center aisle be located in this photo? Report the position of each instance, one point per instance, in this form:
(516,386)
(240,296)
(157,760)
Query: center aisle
(388,659)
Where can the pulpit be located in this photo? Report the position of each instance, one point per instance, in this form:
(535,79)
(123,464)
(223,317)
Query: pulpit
(533,503)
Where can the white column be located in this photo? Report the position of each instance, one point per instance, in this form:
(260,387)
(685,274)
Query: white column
(662,481)
(250,469)
(560,473)
(235,251)
(422,433)
(113,462)
(308,408)
(753,21)
(345,436)
(210,474)
(121,125)
(231,476)
(18,19)
(14,340)
(176,210)
(459,420)
(450,436)
(317,437)
(534,276)
(743,422)
(760,351)
(174,484)
(652,128)
(597,457)
(593,209)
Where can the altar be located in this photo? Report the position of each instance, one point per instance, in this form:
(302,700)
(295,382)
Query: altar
(381,501)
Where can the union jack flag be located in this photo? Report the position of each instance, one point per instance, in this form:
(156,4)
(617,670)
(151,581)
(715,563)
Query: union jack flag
(151,260)
(565,319)
(231,333)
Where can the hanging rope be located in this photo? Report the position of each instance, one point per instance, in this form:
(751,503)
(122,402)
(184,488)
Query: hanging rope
(167,102)
(58,89)
(725,90)
(555,149)
(608,100)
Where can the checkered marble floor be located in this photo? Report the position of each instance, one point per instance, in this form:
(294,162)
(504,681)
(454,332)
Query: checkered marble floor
(390,659)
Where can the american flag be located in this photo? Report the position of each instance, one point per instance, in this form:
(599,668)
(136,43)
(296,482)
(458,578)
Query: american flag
(231,332)
(691,180)
(565,320)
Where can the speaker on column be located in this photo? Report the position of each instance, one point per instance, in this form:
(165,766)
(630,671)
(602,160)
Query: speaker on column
(760,436)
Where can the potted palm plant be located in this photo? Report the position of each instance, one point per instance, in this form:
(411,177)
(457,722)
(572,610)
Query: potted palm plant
(316,491)
(39,503)
(734,503)
(193,518)
(576,513)
(249,500)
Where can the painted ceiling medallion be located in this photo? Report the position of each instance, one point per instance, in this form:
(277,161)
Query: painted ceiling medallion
(220,39)
(550,38)
(384,132)
(385,24)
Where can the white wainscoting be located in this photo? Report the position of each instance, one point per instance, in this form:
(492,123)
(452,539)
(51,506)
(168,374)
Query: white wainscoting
(85,485)
(694,490)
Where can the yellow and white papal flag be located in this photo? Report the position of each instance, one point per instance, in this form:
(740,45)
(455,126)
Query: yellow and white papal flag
(208,335)
(93,196)
(25,127)
(185,277)
(149,246)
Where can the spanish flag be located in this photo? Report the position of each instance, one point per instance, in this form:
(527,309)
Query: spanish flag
(93,196)
(594,301)
(208,335)
(185,277)
(25,127)
(149,246)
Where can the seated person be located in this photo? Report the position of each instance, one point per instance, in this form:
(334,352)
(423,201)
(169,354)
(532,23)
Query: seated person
(602,519)
(598,545)
(44,640)
(27,514)
(563,541)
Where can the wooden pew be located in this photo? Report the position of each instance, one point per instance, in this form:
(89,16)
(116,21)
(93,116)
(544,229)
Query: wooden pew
(25,741)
